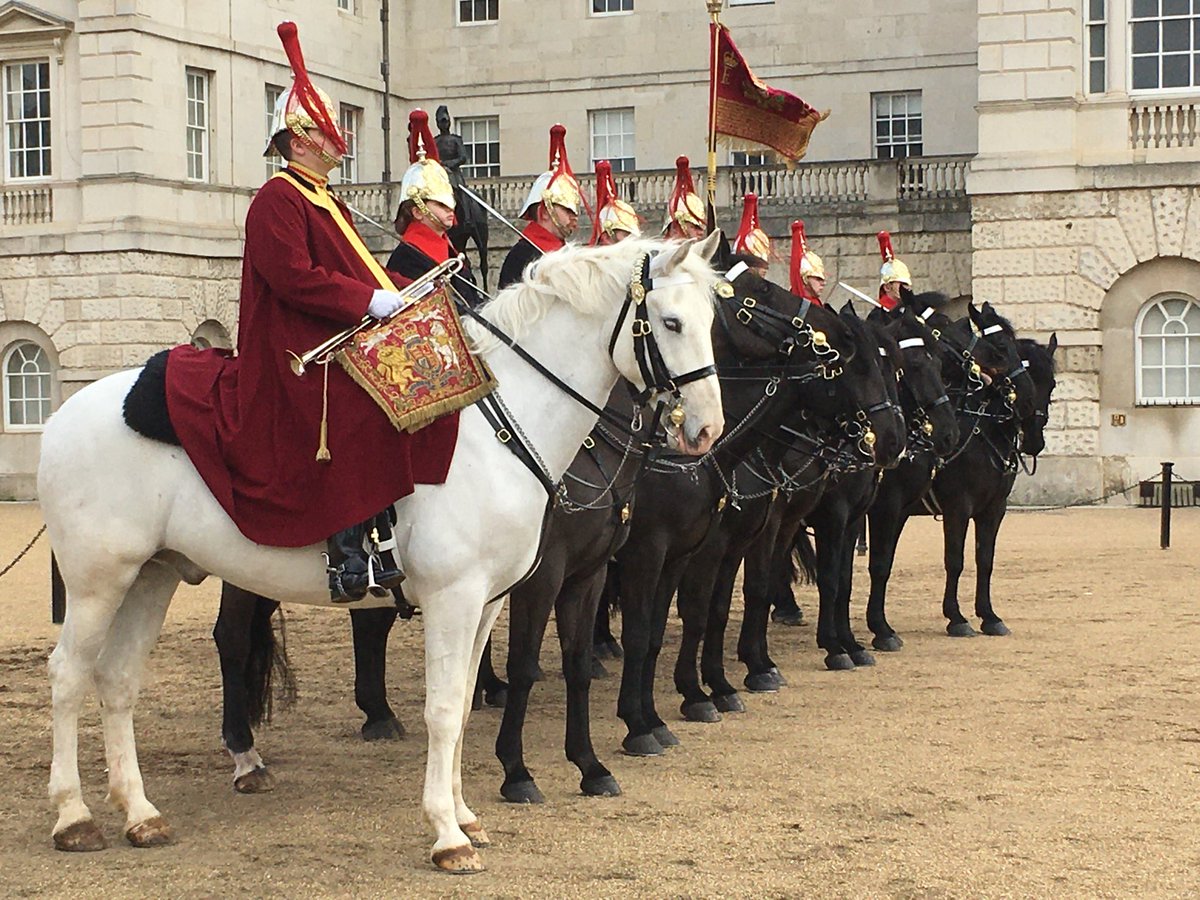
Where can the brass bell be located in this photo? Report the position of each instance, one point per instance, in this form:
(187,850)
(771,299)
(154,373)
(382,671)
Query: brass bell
(721,503)
(927,427)
(819,339)
(869,438)
(677,415)
(626,513)
(975,370)
(1012,396)
(724,289)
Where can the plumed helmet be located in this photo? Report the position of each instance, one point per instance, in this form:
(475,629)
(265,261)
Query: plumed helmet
(557,184)
(892,269)
(751,239)
(425,179)
(804,262)
(303,105)
(612,213)
(685,205)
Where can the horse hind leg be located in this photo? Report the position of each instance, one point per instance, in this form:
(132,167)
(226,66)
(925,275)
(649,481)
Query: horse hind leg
(131,637)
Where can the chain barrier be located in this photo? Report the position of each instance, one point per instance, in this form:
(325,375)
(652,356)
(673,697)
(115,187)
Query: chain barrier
(21,555)
(1103,498)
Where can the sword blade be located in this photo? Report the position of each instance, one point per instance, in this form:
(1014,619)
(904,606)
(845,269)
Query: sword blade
(860,295)
(487,207)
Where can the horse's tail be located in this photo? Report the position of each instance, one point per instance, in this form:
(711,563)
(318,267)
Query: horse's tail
(804,555)
(268,666)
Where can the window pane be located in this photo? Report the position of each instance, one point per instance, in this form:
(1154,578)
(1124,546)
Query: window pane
(1145,37)
(1176,35)
(1175,352)
(1096,10)
(1175,383)
(1175,7)
(1145,72)
(1152,383)
(1143,8)
(1096,40)
(1176,70)
(1096,77)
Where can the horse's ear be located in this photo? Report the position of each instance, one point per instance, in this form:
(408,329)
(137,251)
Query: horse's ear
(666,263)
(849,311)
(1053,345)
(713,247)
(976,316)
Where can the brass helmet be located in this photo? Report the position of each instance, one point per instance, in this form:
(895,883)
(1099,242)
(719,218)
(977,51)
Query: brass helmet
(892,269)
(685,204)
(612,213)
(425,179)
(558,184)
(804,262)
(751,239)
(303,105)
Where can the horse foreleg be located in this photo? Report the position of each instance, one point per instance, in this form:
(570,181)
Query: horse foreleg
(668,583)
(467,820)
(954,531)
(245,646)
(371,628)
(712,661)
(987,527)
(845,591)
(72,673)
(131,637)
(452,651)
(695,595)
(886,523)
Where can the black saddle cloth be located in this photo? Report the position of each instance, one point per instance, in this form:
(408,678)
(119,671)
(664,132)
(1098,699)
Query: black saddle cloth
(145,408)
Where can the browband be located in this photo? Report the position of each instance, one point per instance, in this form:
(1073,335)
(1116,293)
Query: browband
(911,342)
(737,270)
(992,329)
(665,281)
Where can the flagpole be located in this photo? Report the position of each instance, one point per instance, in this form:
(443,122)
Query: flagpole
(714,12)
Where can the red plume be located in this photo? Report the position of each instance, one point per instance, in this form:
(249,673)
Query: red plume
(683,181)
(558,154)
(799,248)
(305,90)
(749,222)
(885,246)
(606,192)
(420,137)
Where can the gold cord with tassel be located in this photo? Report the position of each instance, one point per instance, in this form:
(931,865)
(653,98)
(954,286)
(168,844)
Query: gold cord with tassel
(323,454)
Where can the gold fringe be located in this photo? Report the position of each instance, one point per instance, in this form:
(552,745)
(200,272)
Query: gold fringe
(323,454)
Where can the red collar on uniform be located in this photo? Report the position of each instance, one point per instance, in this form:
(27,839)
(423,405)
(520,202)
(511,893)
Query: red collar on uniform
(807,293)
(541,238)
(435,246)
(886,301)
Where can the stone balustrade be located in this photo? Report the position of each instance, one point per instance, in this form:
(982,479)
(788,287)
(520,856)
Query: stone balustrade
(33,205)
(1163,125)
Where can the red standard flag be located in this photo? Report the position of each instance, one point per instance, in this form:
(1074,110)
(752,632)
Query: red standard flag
(742,106)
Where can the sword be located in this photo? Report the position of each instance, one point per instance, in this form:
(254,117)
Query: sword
(860,295)
(487,207)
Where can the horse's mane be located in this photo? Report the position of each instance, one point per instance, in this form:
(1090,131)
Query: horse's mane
(926,299)
(1041,360)
(590,279)
(1004,324)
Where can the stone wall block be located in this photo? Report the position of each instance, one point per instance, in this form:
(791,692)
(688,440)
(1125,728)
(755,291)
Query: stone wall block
(12,299)
(1095,267)
(101,309)
(123,332)
(1000,262)
(1170,206)
(135,355)
(1111,240)
(1076,386)
(37,296)
(1072,442)
(171,310)
(1081,292)
(990,290)
(91,356)
(100,263)
(143,308)
(52,317)
(1137,218)
(75,287)
(1064,317)
(1082,413)
(168,334)
(962,273)
(17,267)
(1023,318)
(1026,289)
(58,264)
(1055,261)
(1190,247)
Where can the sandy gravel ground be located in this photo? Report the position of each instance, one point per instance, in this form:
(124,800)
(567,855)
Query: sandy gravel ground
(1061,761)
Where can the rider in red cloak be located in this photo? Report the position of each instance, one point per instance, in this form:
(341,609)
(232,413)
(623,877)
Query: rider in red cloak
(293,460)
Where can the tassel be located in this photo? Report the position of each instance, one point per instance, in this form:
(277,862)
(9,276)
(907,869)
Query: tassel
(323,454)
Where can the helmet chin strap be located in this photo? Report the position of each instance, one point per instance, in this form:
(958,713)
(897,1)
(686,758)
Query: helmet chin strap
(321,152)
(560,228)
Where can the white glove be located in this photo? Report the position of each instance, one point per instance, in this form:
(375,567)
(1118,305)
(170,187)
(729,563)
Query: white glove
(384,303)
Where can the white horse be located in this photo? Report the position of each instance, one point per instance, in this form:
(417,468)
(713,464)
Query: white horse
(129,518)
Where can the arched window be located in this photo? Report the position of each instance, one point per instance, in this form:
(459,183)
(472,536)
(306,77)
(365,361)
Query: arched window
(1168,351)
(27,386)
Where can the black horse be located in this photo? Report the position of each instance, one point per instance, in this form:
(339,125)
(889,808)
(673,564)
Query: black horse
(470,226)
(767,379)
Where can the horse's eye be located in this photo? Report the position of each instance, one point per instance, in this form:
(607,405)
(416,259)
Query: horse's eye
(673,324)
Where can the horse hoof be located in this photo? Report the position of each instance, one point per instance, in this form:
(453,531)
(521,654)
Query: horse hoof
(458,860)
(257,781)
(496,699)
(960,629)
(777,675)
(521,792)
(82,837)
(761,683)
(642,745)
(479,837)
(789,617)
(730,703)
(598,670)
(862,658)
(383,730)
(614,648)
(995,629)
(601,651)
(839,662)
(600,786)
(699,711)
(154,832)
(890,644)
(664,736)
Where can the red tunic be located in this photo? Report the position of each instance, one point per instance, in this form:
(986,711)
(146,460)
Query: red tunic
(435,246)
(251,426)
(886,300)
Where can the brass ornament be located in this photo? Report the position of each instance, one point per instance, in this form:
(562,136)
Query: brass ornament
(1012,396)
(637,291)
(975,370)
(724,289)
(626,514)
(721,503)
(819,339)
(678,415)
(927,427)
(869,438)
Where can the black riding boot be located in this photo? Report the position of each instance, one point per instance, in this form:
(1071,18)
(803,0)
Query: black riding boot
(353,570)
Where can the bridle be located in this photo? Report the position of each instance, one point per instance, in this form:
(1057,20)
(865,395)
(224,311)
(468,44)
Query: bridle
(917,413)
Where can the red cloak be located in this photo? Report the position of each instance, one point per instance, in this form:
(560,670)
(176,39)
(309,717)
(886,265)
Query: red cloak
(251,427)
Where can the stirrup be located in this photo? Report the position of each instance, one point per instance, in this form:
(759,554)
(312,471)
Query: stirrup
(380,581)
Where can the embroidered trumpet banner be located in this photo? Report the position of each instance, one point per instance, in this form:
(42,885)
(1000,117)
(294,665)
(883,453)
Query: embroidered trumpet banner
(747,108)
(418,367)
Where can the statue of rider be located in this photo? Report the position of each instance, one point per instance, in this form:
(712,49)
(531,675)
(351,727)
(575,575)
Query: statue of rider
(451,150)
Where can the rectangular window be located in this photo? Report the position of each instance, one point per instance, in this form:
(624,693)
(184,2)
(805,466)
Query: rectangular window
(347,5)
(1097,46)
(749,158)
(607,7)
(474,12)
(271,97)
(197,124)
(750,2)
(26,386)
(1164,44)
(612,138)
(27,119)
(481,142)
(897,125)
(349,118)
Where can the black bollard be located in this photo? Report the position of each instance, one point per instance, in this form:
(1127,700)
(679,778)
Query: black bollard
(1164,537)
